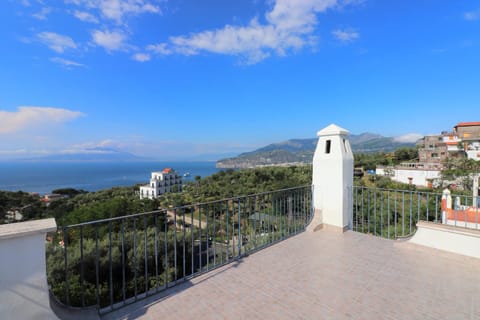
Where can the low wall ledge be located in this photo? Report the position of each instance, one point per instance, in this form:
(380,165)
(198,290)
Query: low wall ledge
(448,228)
(22,229)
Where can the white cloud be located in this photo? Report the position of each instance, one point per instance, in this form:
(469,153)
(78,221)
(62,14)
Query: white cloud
(408,138)
(42,14)
(290,26)
(110,40)
(472,15)
(28,117)
(85,16)
(161,49)
(141,57)
(345,36)
(117,10)
(56,42)
(102,147)
(66,63)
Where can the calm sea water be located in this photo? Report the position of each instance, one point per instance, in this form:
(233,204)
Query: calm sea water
(43,177)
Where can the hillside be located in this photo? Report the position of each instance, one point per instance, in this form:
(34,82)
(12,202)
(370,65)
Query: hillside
(301,151)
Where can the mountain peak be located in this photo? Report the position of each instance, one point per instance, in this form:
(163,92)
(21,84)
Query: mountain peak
(301,150)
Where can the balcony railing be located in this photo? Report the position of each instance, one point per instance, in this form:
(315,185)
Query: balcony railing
(114,262)
(393,214)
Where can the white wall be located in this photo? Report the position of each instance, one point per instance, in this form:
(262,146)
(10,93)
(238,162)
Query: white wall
(473,154)
(453,239)
(419,177)
(23,279)
(333,178)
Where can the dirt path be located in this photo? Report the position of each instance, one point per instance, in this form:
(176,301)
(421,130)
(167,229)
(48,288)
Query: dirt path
(188,220)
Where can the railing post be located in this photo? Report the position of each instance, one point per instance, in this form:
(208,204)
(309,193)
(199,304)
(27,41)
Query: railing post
(333,179)
(446,205)
(476,190)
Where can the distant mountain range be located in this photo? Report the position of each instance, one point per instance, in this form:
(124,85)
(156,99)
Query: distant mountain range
(301,151)
(102,154)
(90,154)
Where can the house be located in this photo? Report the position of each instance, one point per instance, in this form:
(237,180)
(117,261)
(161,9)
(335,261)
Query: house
(161,182)
(463,141)
(432,149)
(13,215)
(469,135)
(419,174)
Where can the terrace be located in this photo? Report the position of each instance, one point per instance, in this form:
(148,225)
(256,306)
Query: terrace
(326,251)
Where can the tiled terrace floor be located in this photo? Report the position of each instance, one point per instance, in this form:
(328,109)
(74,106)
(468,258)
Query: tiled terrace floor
(327,275)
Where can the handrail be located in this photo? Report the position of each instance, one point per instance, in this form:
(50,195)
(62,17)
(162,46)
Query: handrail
(393,213)
(181,207)
(113,262)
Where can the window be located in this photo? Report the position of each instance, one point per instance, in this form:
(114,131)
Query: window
(328,146)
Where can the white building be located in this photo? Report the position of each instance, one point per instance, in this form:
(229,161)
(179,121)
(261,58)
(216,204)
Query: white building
(161,182)
(419,174)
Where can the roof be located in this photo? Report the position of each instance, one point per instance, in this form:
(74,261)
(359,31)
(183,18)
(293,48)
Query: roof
(167,170)
(326,275)
(468,124)
(332,130)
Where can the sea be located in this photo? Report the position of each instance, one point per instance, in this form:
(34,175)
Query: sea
(43,177)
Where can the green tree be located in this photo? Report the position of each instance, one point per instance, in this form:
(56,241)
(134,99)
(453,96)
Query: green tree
(406,154)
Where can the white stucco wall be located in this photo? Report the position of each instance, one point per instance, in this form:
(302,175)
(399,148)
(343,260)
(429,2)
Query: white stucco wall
(162,183)
(333,177)
(473,154)
(23,279)
(419,177)
(453,239)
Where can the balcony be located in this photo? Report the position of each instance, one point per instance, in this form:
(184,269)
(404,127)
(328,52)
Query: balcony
(326,251)
(326,275)
(111,263)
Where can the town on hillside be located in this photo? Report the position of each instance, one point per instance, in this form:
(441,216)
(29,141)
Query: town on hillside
(439,153)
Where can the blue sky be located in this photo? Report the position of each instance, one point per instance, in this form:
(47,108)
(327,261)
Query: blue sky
(176,79)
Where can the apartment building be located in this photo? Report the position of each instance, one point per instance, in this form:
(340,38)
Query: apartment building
(161,182)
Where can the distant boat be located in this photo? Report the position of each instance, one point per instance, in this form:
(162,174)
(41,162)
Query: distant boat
(186,174)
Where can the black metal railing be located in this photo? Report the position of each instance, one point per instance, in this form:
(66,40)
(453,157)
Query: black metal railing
(113,262)
(394,214)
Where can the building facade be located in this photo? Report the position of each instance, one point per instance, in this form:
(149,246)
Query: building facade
(418,174)
(464,141)
(432,149)
(469,135)
(161,182)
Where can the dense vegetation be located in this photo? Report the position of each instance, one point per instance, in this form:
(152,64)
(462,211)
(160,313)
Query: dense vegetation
(230,183)
(461,170)
(393,213)
(369,161)
(80,206)
(121,245)
(29,204)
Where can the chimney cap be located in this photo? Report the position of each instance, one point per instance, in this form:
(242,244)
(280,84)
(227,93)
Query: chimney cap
(333,130)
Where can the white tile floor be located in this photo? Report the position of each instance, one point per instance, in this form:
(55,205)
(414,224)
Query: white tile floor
(327,275)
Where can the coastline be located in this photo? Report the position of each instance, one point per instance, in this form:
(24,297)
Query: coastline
(43,177)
